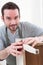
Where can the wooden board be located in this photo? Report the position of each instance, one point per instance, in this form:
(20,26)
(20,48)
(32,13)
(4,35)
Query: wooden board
(32,59)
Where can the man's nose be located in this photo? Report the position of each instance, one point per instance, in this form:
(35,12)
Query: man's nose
(13,22)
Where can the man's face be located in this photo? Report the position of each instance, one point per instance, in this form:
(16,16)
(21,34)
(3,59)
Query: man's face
(11,19)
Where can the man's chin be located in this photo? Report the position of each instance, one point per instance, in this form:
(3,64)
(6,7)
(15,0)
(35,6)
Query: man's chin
(13,29)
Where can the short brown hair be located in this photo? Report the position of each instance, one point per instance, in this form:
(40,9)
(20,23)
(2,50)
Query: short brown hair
(9,5)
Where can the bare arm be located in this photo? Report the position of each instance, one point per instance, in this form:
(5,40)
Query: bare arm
(12,49)
(34,40)
(3,54)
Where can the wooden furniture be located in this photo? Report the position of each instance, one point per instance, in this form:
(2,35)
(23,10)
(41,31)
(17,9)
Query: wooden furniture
(31,59)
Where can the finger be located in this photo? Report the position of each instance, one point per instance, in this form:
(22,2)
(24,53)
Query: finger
(13,54)
(16,52)
(27,40)
(17,43)
(17,47)
(34,44)
(30,42)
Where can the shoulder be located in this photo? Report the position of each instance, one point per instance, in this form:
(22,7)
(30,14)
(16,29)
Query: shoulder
(25,23)
(28,25)
(2,29)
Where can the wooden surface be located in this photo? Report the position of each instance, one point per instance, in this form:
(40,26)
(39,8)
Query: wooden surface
(32,59)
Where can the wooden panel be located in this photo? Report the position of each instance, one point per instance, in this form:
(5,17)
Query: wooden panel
(32,59)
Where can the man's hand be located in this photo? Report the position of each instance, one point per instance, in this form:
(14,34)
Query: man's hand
(15,48)
(33,40)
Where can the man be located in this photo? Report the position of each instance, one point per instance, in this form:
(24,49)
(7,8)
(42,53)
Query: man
(13,29)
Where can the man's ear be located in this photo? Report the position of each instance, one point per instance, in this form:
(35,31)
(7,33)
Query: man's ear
(2,17)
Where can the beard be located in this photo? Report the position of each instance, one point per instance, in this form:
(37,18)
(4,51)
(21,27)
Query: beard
(13,27)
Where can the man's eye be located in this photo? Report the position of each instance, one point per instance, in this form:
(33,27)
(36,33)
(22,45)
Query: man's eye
(8,18)
(16,17)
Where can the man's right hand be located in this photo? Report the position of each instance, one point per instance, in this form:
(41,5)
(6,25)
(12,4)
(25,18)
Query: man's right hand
(15,48)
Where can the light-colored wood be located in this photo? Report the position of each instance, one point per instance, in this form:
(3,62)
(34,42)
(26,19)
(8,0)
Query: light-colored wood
(20,59)
(0,64)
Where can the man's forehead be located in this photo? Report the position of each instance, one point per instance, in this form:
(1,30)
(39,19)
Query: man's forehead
(11,12)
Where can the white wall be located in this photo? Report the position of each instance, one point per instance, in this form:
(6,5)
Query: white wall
(31,10)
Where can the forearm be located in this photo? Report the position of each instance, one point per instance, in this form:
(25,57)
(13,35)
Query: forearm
(40,38)
(4,54)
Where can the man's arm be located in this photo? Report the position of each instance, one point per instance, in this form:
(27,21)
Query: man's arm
(33,40)
(4,54)
(12,49)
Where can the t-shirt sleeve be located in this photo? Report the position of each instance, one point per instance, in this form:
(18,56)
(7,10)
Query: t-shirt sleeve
(1,45)
(30,30)
(1,42)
